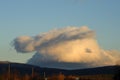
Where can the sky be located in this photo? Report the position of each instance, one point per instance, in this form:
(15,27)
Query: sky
(32,17)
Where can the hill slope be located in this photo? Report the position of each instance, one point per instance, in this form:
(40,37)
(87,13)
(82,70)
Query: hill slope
(27,69)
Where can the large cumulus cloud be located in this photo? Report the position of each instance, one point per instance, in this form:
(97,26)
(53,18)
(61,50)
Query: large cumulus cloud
(66,47)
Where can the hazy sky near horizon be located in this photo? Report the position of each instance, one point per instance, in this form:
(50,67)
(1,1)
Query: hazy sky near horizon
(31,17)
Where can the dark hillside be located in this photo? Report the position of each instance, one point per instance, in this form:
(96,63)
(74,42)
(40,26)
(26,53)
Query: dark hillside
(98,70)
(27,69)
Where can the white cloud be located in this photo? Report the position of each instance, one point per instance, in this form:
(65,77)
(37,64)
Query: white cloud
(66,45)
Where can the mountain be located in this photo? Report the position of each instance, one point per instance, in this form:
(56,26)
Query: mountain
(27,69)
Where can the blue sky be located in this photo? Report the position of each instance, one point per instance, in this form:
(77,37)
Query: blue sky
(31,17)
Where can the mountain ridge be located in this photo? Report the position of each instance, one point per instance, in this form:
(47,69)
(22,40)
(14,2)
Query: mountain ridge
(27,68)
